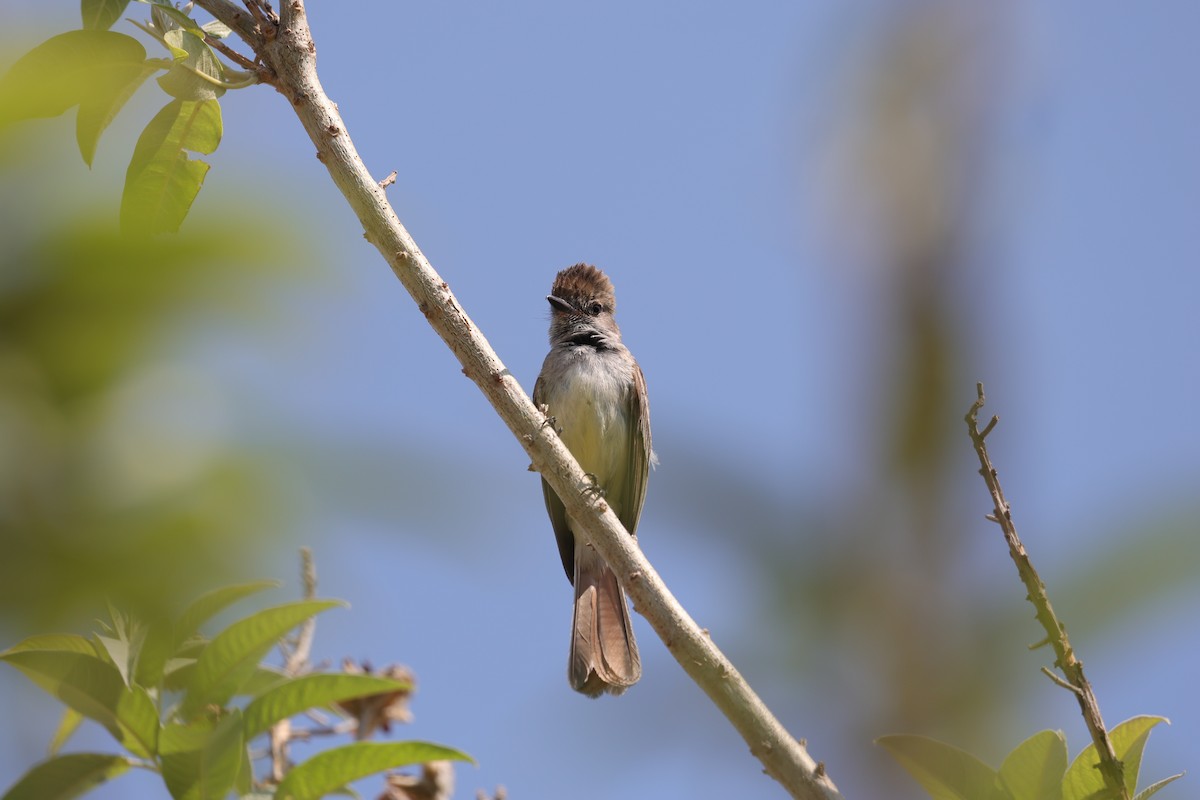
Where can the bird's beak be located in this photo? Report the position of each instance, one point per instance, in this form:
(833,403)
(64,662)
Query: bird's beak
(558,304)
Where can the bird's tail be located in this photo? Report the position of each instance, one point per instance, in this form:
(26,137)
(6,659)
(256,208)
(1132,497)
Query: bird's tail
(604,654)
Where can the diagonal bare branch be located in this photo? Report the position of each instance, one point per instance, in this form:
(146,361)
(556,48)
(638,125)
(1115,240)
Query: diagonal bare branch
(290,54)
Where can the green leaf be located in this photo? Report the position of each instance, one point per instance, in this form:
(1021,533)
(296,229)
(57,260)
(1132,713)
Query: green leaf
(65,70)
(118,653)
(202,760)
(216,29)
(946,772)
(311,691)
(167,17)
(192,648)
(333,769)
(64,777)
(94,688)
(232,657)
(177,674)
(265,677)
(1154,787)
(126,646)
(186,80)
(1083,778)
(156,648)
(99,15)
(244,784)
(1129,741)
(1034,769)
(101,106)
(208,605)
(53,643)
(177,54)
(66,727)
(162,181)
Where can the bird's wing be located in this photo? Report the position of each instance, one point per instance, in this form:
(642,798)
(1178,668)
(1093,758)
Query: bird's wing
(640,453)
(556,509)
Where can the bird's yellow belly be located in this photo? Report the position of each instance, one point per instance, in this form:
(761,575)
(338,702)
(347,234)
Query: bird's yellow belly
(592,416)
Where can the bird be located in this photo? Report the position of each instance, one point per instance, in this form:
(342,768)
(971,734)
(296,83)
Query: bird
(594,390)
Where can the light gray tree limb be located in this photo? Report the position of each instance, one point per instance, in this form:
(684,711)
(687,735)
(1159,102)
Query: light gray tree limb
(289,55)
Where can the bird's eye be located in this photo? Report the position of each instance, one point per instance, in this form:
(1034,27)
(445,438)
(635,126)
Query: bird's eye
(595,308)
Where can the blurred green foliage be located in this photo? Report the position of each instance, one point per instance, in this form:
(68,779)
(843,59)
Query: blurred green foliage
(121,473)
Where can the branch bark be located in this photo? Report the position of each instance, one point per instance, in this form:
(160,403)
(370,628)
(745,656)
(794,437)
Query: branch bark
(1110,766)
(290,53)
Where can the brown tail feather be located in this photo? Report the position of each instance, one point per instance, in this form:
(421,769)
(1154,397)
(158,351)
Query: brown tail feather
(604,654)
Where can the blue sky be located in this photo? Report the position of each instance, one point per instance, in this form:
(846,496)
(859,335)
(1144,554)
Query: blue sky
(687,149)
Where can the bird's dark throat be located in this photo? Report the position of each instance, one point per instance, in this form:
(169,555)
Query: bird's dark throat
(590,339)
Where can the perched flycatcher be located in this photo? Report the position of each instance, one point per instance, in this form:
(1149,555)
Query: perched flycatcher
(596,394)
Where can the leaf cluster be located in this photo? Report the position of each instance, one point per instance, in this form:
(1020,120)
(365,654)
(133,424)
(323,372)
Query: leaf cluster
(97,70)
(1035,770)
(187,707)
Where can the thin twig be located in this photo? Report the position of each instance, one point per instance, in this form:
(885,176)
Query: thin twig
(1111,768)
(291,54)
(341,729)
(230,53)
(262,14)
(1049,673)
(298,662)
(295,663)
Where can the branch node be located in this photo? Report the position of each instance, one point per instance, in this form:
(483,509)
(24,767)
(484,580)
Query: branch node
(388,181)
(988,428)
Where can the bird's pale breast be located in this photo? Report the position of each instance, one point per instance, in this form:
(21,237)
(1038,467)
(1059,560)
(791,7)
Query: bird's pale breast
(590,402)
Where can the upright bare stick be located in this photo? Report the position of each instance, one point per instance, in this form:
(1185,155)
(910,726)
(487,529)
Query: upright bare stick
(295,660)
(1110,766)
(288,55)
